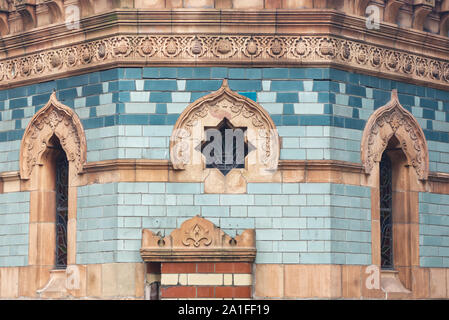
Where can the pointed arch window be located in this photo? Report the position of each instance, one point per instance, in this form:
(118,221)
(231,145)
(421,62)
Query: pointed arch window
(386,212)
(62,206)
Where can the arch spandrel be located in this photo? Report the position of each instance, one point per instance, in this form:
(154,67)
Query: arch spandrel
(394,120)
(53,119)
(209,111)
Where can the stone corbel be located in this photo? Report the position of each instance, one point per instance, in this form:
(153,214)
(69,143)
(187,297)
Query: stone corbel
(56,8)
(391,10)
(4,25)
(422,10)
(27,10)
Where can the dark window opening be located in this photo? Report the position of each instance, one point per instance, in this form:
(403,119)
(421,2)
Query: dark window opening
(386,213)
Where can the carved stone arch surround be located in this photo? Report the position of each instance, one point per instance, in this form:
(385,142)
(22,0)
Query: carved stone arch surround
(209,111)
(393,119)
(53,119)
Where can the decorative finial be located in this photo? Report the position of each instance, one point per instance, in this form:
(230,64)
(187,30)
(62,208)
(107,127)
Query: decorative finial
(394,94)
(225,83)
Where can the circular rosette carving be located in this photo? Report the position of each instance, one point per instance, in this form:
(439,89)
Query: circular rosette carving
(121,47)
(392,61)
(147,47)
(196,47)
(408,64)
(55,59)
(435,70)
(345,51)
(86,54)
(361,54)
(377,58)
(172,47)
(224,47)
(301,48)
(422,67)
(101,50)
(72,56)
(276,47)
(252,47)
(25,66)
(326,48)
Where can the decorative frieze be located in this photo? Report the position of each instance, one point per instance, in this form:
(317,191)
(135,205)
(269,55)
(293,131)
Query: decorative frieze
(229,50)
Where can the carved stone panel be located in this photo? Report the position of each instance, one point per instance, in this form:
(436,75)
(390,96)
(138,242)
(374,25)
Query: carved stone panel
(198,240)
(393,119)
(53,119)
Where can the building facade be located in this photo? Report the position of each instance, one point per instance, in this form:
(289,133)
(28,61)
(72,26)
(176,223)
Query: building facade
(162,149)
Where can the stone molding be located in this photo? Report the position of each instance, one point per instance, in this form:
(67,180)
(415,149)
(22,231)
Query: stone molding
(223,50)
(393,120)
(53,119)
(198,240)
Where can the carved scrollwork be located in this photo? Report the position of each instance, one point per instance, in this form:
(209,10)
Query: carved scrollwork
(53,119)
(393,120)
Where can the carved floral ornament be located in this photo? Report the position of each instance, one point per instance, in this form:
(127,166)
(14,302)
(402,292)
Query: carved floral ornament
(53,119)
(198,239)
(223,50)
(393,119)
(209,111)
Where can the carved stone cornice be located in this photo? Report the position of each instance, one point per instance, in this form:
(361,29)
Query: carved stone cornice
(288,38)
(198,240)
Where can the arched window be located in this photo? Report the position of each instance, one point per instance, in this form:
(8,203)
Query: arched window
(386,213)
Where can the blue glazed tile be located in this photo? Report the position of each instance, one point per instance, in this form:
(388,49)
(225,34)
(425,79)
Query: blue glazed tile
(31,90)
(92,101)
(108,75)
(289,108)
(67,94)
(354,78)
(18,103)
(185,73)
(429,103)
(17,92)
(338,75)
(297,73)
(196,95)
(150,73)
(157,119)
(385,84)
(161,108)
(355,113)
(322,85)
(125,85)
(133,119)
(315,120)
(201,85)
(290,120)
(420,91)
(18,124)
(328,108)
(168,73)
(3,136)
(171,118)
(160,85)
(253,73)
(314,73)
(245,85)
(325,97)
(122,97)
(72,82)
(442,95)
(428,114)
(338,122)
(251,95)
(275,73)
(355,101)
(354,123)
(120,108)
(406,99)
(406,88)
(2,106)
(201,73)
(93,123)
(430,92)
(287,97)
(15,135)
(48,86)
(93,113)
(3,95)
(133,73)
(355,90)
(109,121)
(277,119)
(92,89)
(160,97)
(94,77)
(429,125)
(17,114)
(281,85)
(237,73)
(220,73)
